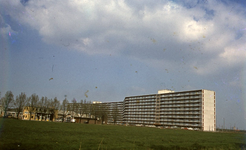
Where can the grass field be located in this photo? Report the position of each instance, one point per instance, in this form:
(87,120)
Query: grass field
(19,134)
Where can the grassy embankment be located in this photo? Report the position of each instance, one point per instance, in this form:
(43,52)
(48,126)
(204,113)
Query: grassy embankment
(19,134)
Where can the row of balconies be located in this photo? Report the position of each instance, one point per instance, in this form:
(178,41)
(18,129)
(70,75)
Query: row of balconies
(180,116)
(143,106)
(165,95)
(190,99)
(180,124)
(140,101)
(141,122)
(140,116)
(162,116)
(187,100)
(143,119)
(180,94)
(194,107)
(180,102)
(139,110)
(140,113)
(162,102)
(179,113)
(195,114)
(165,122)
(138,98)
(180,109)
(180,120)
(163,107)
(166,108)
(180,98)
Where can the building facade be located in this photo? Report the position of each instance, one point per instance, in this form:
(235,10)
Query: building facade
(39,114)
(188,109)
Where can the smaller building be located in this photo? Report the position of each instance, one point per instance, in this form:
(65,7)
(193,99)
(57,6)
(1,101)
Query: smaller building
(87,120)
(40,114)
(11,112)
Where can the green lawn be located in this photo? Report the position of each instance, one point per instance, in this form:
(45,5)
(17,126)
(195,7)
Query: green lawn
(19,134)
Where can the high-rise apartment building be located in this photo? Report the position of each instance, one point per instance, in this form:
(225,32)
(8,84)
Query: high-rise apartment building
(194,109)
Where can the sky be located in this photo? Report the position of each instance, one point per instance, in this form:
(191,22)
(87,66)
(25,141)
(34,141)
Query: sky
(107,50)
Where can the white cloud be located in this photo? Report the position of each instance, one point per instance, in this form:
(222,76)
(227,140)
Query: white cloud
(116,27)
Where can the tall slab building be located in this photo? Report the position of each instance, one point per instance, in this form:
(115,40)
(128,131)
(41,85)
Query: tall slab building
(194,109)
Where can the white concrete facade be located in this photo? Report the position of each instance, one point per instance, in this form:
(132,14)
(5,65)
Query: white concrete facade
(209,110)
(165,91)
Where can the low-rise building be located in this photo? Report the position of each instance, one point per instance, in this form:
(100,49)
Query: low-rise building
(39,114)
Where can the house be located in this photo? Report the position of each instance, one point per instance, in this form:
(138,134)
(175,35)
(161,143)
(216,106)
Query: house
(40,114)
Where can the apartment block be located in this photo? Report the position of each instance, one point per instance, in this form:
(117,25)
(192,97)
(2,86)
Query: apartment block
(194,109)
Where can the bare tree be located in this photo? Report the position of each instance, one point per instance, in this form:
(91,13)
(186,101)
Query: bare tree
(73,107)
(53,108)
(7,101)
(69,108)
(56,103)
(84,107)
(64,108)
(76,109)
(115,113)
(32,105)
(90,109)
(56,106)
(20,103)
(41,105)
(47,103)
(102,111)
(41,102)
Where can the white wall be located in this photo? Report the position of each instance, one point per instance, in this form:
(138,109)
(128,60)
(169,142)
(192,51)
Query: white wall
(165,91)
(209,111)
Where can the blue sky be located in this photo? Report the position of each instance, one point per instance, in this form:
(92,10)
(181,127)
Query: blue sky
(114,49)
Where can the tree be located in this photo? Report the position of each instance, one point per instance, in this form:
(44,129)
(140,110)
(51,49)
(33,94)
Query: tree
(115,113)
(56,103)
(64,107)
(74,107)
(32,104)
(56,106)
(52,108)
(41,105)
(84,107)
(20,103)
(69,108)
(7,101)
(41,102)
(102,111)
